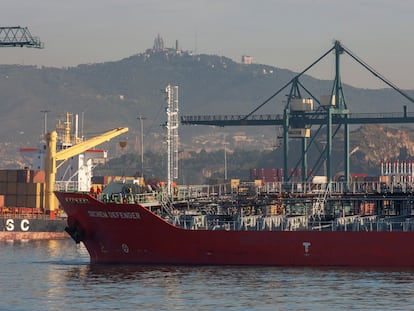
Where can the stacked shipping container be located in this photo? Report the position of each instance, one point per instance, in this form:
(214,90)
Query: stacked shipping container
(267,175)
(22,188)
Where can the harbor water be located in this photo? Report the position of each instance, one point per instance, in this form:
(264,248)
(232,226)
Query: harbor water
(56,275)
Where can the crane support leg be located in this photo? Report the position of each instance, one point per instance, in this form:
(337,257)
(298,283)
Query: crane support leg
(304,159)
(329,146)
(50,168)
(346,153)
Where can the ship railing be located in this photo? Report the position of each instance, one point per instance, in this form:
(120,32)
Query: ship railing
(146,199)
(296,223)
(67,185)
(366,224)
(337,188)
(16,213)
(210,192)
(188,192)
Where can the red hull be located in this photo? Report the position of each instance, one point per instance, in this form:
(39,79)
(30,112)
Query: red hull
(130,233)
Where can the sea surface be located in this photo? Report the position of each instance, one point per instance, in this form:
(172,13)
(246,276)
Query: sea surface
(56,275)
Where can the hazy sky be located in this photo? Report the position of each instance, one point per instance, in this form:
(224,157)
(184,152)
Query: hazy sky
(287,34)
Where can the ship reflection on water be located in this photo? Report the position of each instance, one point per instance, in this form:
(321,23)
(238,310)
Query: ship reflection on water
(242,288)
(56,275)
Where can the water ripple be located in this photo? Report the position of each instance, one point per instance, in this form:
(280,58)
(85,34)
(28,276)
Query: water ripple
(56,275)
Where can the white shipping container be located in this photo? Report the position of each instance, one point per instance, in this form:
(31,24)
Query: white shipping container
(299,133)
(326,100)
(319,179)
(301,104)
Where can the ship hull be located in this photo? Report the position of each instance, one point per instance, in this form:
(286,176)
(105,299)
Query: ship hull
(131,234)
(20,228)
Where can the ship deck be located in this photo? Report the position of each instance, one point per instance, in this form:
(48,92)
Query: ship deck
(282,206)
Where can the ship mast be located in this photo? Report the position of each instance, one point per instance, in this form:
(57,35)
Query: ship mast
(172,136)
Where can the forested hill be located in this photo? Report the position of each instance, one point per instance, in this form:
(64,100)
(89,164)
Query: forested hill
(113,93)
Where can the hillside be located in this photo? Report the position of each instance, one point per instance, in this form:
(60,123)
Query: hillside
(208,85)
(113,94)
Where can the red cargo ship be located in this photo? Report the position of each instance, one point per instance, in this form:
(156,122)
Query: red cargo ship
(131,233)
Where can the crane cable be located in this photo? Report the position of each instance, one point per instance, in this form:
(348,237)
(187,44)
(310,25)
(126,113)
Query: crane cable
(377,74)
(287,84)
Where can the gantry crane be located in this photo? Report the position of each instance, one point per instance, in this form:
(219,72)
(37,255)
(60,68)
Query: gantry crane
(53,156)
(299,116)
(17,36)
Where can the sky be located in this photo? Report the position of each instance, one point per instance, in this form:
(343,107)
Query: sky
(288,34)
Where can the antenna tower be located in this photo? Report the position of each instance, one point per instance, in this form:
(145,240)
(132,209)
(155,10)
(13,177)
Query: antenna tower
(172,136)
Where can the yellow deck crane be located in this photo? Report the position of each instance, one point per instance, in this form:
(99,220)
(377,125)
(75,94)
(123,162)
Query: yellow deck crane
(53,156)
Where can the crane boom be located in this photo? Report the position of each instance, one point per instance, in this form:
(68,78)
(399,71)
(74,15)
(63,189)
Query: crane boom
(52,157)
(88,144)
(18,37)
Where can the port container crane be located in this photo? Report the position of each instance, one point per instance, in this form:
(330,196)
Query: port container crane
(18,36)
(299,116)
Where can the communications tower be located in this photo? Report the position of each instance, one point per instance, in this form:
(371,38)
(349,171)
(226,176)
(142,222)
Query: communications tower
(172,136)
